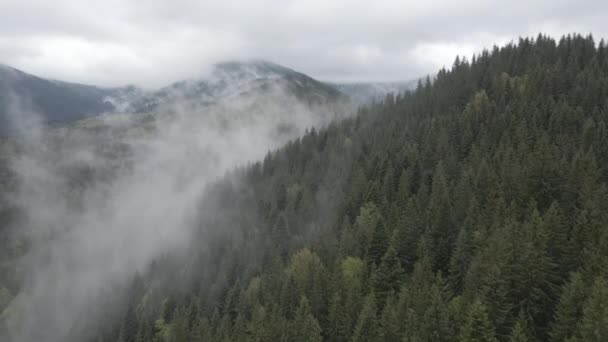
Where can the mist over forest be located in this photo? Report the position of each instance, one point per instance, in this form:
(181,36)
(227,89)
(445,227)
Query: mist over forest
(163,178)
(100,199)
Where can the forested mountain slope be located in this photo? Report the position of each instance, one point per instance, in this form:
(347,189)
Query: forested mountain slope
(54,101)
(471,209)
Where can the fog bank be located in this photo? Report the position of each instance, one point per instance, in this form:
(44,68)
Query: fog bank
(103,198)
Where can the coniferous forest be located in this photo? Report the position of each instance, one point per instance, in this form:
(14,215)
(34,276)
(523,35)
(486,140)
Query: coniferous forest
(473,208)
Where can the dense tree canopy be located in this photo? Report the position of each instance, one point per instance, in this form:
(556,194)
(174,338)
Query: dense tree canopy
(474,208)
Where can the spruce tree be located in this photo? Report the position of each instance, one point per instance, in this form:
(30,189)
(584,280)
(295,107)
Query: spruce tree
(305,327)
(569,309)
(387,278)
(521,331)
(367,328)
(593,327)
(440,218)
(477,326)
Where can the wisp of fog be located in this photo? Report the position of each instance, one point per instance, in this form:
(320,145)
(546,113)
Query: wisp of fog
(103,198)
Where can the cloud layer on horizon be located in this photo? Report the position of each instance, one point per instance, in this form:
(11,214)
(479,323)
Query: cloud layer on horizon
(153,43)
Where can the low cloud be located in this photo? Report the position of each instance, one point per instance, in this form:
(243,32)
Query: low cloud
(152,43)
(100,201)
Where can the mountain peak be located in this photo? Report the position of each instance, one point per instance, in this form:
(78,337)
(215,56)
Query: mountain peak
(250,63)
(249,69)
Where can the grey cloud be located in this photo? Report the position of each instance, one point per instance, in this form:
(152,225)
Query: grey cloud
(153,43)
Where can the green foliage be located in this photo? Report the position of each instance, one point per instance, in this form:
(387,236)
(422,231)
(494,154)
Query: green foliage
(594,325)
(569,310)
(521,331)
(477,327)
(471,209)
(338,325)
(442,229)
(388,277)
(305,327)
(367,328)
(390,325)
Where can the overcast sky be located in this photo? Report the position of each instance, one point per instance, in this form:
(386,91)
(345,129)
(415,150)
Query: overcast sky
(154,42)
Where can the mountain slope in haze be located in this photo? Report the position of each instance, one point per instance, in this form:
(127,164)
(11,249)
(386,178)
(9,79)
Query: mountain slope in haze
(234,94)
(231,80)
(108,195)
(473,209)
(60,102)
(54,101)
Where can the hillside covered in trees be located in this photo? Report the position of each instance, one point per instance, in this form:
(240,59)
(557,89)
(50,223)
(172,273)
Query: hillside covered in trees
(474,208)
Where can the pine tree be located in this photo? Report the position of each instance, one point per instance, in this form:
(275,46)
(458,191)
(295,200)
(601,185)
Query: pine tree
(489,278)
(280,236)
(239,329)
(558,246)
(387,278)
(179,327)
(338,329)
(404,191)
(521,331)
(390,326)
(367,325)
(463,253)
(289,295)
(353,274)
(365,226)
(130,328)
(305,327)
(309,275)
(408,234)
(201,331)
(435,325)
(477,327)
(533,272)
(569,309)
(594,324)
(378,244)
(440,217)
(259,326)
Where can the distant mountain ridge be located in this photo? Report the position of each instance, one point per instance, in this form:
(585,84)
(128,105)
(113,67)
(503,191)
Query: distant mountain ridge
(60,102)
(56,101)
(233,79)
